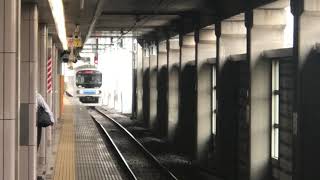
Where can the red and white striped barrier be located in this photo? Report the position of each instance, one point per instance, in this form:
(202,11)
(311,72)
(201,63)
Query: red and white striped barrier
(49,75)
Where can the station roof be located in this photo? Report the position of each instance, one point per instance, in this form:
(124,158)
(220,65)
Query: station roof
(145,19)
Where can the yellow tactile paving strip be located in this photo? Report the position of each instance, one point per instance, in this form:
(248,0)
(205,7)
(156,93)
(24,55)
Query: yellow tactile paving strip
(65,160)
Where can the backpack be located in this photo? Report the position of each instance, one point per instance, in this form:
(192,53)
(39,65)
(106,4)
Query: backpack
(43,118)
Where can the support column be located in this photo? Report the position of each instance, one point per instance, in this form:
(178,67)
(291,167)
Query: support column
(306,109)
(173,88)
(49,90)
(56,84)
(146,85)
(28,106)
(188,53)
(231,40)
(153,87)
(206,48)
(134,79)
(139,91)
(53,108)
(162,86)
(8,88)
(265,30)
(42,65)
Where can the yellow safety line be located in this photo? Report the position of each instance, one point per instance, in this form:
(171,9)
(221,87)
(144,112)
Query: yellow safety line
(65,160)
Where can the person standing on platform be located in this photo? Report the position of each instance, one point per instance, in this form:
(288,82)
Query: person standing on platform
(44,116)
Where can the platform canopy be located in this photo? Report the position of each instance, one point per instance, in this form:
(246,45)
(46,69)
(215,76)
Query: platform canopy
(140,18)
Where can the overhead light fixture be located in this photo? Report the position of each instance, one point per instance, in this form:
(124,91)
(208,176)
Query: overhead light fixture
(81,4)
(59,20)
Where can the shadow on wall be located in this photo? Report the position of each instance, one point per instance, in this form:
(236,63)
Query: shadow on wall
(186,127)
(310,117)
(146,97)
(232,131)
(153,100)
(162,101)
(173,103)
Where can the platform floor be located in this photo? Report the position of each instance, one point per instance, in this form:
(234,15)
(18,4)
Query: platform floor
(82,153)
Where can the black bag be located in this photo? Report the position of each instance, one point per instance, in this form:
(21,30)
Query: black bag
(43,118)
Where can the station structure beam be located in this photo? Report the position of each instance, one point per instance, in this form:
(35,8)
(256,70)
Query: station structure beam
(153,78)
(173,87)
(28,103)
(306,109)
(139,90)
(50,46)
(146,84)
(9,68)
(42,66)
(231,40)
(265,31)
(206,49)
(162,86)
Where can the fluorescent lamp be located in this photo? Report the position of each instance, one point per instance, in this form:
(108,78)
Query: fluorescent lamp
(59,20)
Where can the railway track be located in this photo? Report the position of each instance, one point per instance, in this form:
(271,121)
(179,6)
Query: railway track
(139,162)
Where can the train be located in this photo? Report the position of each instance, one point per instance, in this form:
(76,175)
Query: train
(88,85)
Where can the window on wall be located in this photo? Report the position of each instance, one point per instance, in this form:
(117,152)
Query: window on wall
(214,102)
(275,110)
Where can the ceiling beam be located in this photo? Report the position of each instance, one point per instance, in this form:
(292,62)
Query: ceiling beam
(142,13)
(98,11)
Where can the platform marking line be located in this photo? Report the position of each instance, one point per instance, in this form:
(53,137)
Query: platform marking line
(65,161)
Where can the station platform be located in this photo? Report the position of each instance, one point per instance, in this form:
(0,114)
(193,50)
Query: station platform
(80,152)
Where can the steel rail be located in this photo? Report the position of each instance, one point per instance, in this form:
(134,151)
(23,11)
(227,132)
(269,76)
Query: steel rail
(146,151)
(123,160)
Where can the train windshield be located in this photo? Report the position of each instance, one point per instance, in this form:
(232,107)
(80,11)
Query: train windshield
(89,79)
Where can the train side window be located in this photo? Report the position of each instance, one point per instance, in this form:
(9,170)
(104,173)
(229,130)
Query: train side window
(275,111)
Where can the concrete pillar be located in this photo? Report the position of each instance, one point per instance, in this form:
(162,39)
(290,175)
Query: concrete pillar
(188,52)
(153,87)
(53,79)
(206,48)
(134,79)
(265,30)
(42,66)
(18,60)
(139,91)
(56,84)
(231,40)
(306,109)
(8,88)
(146,84)
(49,91)
(162,86)
(173,88)
(28,106)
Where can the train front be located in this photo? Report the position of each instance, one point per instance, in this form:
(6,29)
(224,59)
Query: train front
(88,87)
